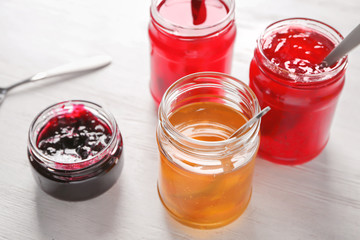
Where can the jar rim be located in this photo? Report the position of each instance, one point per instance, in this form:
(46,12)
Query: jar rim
(223,143)
(50,160)
(190,31)
(327,31)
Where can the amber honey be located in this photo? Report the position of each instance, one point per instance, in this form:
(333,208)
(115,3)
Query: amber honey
(199,189)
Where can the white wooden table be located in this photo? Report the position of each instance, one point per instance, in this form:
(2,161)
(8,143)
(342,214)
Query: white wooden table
(317,200)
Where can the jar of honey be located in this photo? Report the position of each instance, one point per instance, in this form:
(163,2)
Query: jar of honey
(205,178)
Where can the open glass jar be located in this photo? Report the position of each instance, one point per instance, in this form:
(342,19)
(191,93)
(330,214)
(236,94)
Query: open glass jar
(286,74)
(205,178)
(180,45)
(75,150)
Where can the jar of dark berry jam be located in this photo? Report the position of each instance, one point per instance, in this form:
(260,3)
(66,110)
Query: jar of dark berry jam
(287,74)
(75,150)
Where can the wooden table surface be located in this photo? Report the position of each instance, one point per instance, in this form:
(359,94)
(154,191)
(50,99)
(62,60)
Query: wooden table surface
(317,200)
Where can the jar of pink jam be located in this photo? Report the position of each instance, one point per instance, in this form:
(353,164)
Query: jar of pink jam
(75,150)
(187,37)
(286,74)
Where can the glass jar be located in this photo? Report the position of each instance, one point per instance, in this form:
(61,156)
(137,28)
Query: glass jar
(302,100)
(58,137)
(180,47)
(205,178)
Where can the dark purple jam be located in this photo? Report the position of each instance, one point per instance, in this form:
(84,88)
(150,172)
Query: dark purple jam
(75,155)
(78,135)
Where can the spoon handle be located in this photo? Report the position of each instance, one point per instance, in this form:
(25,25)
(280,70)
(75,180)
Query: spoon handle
(244,127)
(73,67)
(346,45)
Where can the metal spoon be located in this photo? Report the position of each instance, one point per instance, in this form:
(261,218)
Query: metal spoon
(245,127)
(345,46)
(74,67)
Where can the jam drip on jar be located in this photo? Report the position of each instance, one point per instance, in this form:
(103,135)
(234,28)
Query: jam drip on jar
(76,135)
(298,50)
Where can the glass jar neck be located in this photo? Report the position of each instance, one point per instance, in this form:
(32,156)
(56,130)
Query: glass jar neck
(208,87)
(190,31)
(80,166)
(296,79)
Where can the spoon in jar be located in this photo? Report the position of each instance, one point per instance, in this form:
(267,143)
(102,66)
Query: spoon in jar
(247,125)
(198,11)
(87,64)
(345,46)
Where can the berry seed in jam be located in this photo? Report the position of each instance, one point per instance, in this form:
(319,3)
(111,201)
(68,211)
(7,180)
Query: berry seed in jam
(74,136)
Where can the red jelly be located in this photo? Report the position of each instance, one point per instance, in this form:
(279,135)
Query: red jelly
(286,74)
(187,38)
(75,150)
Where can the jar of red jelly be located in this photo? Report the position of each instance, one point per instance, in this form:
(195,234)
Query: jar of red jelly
(286,74)
(187,37)
(75,150)
(205,178)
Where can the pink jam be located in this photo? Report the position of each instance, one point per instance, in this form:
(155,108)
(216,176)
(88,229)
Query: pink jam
(186,40)
(298,50)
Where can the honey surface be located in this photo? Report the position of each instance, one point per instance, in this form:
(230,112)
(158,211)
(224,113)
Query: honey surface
(207,121)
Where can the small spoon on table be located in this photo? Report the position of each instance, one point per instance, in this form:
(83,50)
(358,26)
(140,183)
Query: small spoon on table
(345,46)
(87,64)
